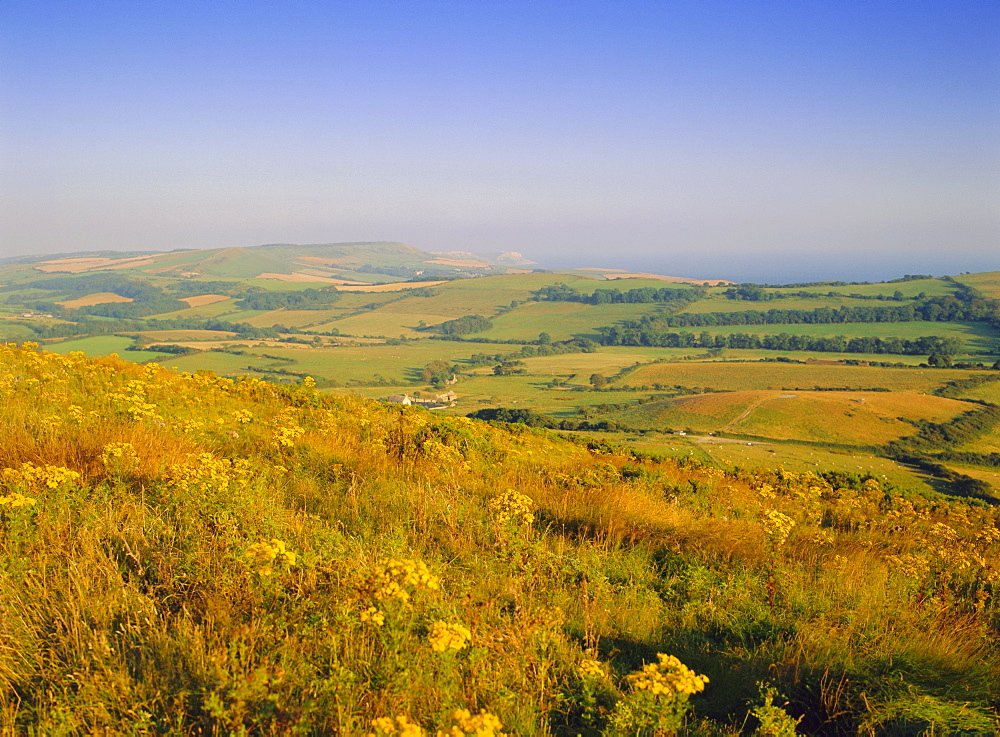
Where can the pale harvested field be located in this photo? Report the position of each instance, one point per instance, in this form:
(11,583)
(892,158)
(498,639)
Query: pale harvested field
(102,298)
(394,287)
(298,276)
(204,299)
(79,265)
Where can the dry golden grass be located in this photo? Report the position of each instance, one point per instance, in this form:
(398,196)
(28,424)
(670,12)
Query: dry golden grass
(78,265)
(394,287)
(855,418)
(132,601)
(204,299)
(300,277)
(102,298)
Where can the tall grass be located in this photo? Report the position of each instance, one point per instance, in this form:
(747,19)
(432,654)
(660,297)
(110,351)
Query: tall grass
(185,554)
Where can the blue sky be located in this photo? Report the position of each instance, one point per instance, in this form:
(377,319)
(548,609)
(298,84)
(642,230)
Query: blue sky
(774,141)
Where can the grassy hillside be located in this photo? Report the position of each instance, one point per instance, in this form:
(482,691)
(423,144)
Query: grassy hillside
(184,554)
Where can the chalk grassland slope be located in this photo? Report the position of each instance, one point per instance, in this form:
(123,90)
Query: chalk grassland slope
(775,375)
(987,282)
(854,418)
(340,260)
(485,296)
(185,554)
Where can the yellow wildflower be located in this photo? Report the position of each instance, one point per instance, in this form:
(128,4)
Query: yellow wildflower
(285,437)
(777,526)
(401,725)
(394,579)
(669,677)
(512,507)
(270,552)
(242,416)
(482,724)
(589,668)
(445,636)
(16,500)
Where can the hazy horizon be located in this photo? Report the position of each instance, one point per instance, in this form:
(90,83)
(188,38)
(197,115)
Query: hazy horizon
(777,141)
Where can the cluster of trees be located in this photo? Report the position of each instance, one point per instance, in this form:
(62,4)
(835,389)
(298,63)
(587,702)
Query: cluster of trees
(303,299)
(646,295)
(782,342)
(534,419)
(464,325)
(134,310)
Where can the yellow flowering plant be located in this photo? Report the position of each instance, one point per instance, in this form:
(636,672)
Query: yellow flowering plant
(659,697)
(449,636)
(268,554)
(393,580)
(512,508)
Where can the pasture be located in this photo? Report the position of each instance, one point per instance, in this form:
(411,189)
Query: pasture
(718,303)
(987,282)
(975,336)
(103,345)
(563,320)
(929,287)
(735,376)
(844,417)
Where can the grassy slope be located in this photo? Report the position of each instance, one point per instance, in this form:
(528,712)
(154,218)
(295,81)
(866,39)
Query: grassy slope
(138,596)
(744,376)
(975,336)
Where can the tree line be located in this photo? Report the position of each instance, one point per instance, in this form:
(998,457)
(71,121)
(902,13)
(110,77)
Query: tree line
(937,309)
(561,292)
(653,337)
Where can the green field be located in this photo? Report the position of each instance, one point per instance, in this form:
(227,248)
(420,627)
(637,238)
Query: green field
(104,345)
(930,287)
(563,320)
(718,303)
(976,336)
(750,376)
